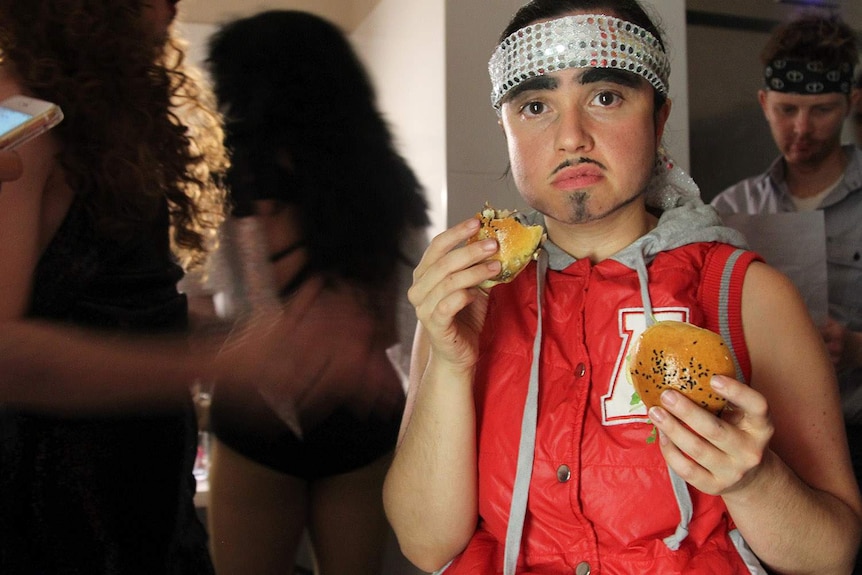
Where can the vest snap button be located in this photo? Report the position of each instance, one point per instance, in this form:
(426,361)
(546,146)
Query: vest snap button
(580,370)
(583,568)
(563,473)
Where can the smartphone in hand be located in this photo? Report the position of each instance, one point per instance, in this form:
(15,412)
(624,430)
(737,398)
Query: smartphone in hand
(23,118)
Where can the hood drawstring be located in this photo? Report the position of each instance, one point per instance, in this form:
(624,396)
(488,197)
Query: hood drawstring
(526,449)
(680,487)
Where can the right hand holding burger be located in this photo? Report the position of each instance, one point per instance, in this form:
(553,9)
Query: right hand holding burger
(450,283)
(713,430)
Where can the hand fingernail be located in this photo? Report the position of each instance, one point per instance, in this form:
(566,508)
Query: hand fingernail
(489,245)
(669,397)
(717,384)
(656,414)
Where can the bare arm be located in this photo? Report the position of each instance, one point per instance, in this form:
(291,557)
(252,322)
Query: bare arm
(10,166)
(815,498)
(430,492)
(66,370)
(780,458)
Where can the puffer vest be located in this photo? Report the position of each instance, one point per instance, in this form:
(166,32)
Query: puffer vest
(598,496)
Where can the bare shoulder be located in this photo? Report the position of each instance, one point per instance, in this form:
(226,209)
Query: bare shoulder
(769,296)
(776,320)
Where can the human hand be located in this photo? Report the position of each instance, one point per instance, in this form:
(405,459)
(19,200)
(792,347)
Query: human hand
(449,305)
(717,455)
(835,337)
(10,166)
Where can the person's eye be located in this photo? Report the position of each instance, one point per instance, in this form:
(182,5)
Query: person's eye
(533,108)
(607,99)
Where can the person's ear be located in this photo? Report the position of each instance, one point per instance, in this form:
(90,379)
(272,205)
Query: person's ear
(761,97)
(661,120)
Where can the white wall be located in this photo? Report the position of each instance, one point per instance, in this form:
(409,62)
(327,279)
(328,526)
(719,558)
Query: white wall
(476,151)
(402,43)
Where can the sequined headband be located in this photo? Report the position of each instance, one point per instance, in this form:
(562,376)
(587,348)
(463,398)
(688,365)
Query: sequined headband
(807,77)
(580,41)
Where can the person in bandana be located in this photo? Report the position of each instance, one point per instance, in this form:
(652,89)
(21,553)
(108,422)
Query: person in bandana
(807,95)
(522,447)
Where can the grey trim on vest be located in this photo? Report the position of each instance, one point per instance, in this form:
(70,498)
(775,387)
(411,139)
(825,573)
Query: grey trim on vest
(723,321)
(748,557)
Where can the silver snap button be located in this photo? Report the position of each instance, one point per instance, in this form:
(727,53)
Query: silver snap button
(580,370)
(563,473)
(583,568)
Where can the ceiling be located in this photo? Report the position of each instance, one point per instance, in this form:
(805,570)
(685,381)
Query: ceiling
(850,10)
(347,14)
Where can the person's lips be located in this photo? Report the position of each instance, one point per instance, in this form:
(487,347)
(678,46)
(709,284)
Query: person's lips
(578,176)
(801,146)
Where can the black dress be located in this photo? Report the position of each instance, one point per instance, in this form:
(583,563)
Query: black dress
(102,495)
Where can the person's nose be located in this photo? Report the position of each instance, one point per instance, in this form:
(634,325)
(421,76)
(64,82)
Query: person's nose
(802,123)
(573,131)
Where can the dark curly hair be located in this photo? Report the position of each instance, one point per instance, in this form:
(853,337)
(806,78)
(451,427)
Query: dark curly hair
(138,129)
(813,36)
(303,127)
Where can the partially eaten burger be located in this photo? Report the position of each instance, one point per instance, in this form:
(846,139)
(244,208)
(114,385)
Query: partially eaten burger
(519,243)
(680,356)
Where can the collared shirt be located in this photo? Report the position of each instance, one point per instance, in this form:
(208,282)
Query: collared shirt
(842,210)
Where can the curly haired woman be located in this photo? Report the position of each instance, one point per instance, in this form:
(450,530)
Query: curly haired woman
(95,462)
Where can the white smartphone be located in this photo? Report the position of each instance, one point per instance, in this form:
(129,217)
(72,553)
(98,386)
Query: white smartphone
(23,118)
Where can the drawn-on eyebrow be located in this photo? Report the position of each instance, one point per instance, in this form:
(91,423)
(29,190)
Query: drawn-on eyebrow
(535,83)
(621,77)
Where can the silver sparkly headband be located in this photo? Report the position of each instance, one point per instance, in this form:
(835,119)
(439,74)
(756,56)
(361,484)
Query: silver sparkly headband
(580,41)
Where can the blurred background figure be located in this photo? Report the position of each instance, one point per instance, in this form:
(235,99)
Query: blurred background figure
(319,191)
(97,430)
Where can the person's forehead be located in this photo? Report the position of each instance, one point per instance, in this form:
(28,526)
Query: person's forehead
(805,100)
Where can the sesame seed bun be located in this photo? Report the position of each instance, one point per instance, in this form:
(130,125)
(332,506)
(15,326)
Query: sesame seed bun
(680,356)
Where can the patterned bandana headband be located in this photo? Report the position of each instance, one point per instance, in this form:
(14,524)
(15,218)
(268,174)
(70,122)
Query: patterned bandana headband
(807,77)
(580,41)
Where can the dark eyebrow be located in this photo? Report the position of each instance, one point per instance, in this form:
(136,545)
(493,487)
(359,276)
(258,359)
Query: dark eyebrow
(535,83)
(621,77)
